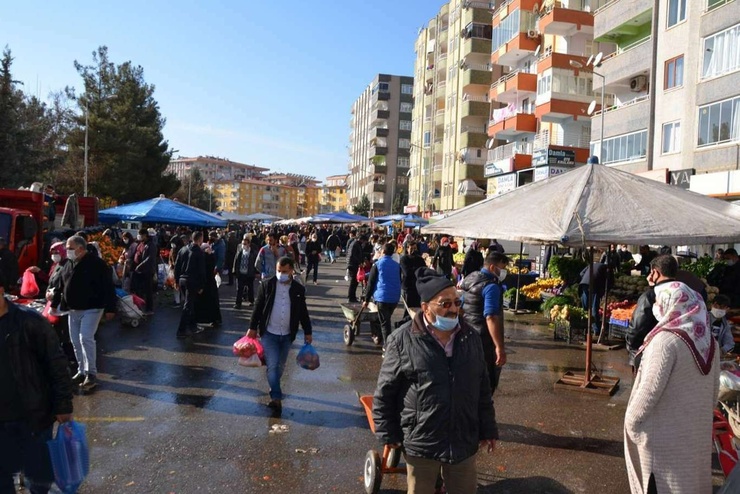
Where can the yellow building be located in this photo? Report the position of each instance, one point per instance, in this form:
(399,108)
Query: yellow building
(256,196)
(334,194)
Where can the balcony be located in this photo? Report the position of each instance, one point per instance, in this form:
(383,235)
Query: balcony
(621,18)
(470,157)
(519,46)
(508,125)
(475,172)
(378,207)
(380,116)
(508,158)
(627,117)
(556,109)
(546,139)
(476,45)
(378,151)
(439,117)
(551,59)
(379,132)
(515,83)
(382,96)
(380,169)
(379,187)
(479,12)
(620,67)
(475,109)
(561,21)
(476,78)
(473,137)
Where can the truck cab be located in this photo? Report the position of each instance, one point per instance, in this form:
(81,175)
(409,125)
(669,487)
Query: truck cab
(20,230)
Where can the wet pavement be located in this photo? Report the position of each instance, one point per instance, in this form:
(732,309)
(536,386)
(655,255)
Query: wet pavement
(175,416)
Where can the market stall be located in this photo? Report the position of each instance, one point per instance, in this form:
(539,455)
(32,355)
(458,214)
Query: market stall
(162,210)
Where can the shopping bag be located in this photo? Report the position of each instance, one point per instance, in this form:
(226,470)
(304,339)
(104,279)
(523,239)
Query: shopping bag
(218,280)
(253,361)
(48,309)
(161,274)
(29,287)
(308,357)
(246,347)
(70,458)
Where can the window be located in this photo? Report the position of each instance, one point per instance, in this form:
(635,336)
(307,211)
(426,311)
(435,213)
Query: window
(427,138)
(719,122)
(721,53)
(626,147)
(381,87)
(676,11)
(673,73)
(405,125)
(475,30)
(407,107)
(544,84)
(407,88)
(403,163)
(671,137)
(506,30)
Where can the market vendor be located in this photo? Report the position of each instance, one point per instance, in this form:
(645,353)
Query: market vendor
(730,285)
(647,256)
(603,281)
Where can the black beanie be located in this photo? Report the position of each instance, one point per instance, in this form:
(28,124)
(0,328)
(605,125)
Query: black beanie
(429,283)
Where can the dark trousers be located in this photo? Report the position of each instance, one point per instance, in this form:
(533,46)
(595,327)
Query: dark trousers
(244,282)
(352,292)
(595,322)
(231,276)
(385,313)
(187,296)
(489,354)
(142,284)
(22,450)
(313,262)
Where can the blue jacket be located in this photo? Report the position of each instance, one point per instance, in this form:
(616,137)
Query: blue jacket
(384,284)
(219,249)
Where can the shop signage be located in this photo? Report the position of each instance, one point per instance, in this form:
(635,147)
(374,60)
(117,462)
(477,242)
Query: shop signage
(502,184)
(499,167)
(681,178)
(553,157)
(410,209)
(544,172)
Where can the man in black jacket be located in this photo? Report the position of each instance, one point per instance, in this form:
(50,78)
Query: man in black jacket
(433,396)
(190,273)
(145,265)
(243,267)
(280,307)
(332,244)
(35,392)
(86,289)
(9,264)
(354,259)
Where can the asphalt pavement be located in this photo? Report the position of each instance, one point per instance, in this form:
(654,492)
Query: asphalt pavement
(180,416)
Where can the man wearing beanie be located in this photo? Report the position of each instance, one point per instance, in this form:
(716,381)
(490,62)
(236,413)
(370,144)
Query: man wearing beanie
(433,396)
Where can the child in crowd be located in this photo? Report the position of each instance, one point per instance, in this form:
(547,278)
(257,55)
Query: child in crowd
(363,273)
(721,327)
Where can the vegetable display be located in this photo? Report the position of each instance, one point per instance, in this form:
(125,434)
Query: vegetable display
(535,290)
(108,251)
(629,287)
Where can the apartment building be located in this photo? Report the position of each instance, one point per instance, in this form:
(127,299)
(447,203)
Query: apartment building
(675,76)
(539,124)
(453,76)
(308,191)
(214,169)
(256,196)
(333,195)
(380,142)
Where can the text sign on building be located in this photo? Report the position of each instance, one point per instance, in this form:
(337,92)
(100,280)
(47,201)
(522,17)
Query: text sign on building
(544,172)
(499,167)
(553,157)
(681,178)
(410,209)
(502,184)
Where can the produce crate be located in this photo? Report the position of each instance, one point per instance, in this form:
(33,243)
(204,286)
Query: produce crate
(524,303)
(618,329)
(568,332)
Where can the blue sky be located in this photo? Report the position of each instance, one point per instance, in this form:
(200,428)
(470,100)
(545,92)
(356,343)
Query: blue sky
(269,83)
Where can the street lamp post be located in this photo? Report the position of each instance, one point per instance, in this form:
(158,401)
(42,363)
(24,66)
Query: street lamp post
(596,61)
(87,127)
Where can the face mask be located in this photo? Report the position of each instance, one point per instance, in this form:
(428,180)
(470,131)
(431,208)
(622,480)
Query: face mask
(730,262)
(139,238)
(283,277)
(245,247)
(56,257)
(502,274)
(719,313)
(445,244)
(445,323)
(71,254)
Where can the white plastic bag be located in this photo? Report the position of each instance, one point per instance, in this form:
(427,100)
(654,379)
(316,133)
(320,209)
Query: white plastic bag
(218,280)
(346,275)
(253,361)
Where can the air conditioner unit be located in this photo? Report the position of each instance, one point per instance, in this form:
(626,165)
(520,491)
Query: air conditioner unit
(638,83)
(532,33)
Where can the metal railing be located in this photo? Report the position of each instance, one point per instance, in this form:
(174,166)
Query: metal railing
(473,128)
(479,99)
(626,104)
(501,7)
(561,138)
(508,150)
(485,67)
(623,49)
(479,5)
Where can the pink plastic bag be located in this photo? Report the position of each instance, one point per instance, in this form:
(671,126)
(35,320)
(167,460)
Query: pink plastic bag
(47,314)
(29,287)
(245,347)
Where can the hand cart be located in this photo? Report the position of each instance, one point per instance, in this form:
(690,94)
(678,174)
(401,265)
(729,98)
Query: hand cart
(356,313)
(375,465)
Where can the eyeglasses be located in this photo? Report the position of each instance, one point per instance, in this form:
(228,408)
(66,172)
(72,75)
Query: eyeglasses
(447,304)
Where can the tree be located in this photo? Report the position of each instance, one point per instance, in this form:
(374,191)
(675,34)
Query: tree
(398,202)
(127,153)
(193,191)
(363,206)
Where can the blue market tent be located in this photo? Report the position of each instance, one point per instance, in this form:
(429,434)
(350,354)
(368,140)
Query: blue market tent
(161,210)
(409,220)
(339,218)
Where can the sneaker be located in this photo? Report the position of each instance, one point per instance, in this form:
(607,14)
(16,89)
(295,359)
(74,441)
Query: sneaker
(89,383)
(315,282)
(79,377)
(250,304)
(237,306)
(198,330)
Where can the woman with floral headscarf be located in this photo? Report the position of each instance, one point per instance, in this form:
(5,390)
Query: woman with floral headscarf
(668,422)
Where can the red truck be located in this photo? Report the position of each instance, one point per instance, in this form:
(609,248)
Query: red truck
(22,219)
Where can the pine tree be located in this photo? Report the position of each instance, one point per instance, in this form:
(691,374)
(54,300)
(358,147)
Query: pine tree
(363,206)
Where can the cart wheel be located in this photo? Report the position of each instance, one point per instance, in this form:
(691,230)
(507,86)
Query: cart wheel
(373,474)
(349,335)
(394,457)
(134,323)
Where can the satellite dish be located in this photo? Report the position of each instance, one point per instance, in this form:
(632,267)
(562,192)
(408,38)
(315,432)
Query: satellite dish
(535,8)
(537,51)
(461,156)
(591,107)
(590,59)
(597,59)
(489,143)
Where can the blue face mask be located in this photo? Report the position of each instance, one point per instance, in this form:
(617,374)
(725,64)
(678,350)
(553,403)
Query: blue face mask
(445,323)
(283,277)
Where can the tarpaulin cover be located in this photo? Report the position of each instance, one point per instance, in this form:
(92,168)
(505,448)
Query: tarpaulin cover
(161,210)
(340,217)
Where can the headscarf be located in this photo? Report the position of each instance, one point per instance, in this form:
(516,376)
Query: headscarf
(61,249)
(292,238)
(681,311)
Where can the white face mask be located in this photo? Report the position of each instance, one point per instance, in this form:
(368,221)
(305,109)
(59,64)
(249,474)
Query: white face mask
(283,277)
(71,254)
(719,313)
(139,238)
(56,257)
(502,274)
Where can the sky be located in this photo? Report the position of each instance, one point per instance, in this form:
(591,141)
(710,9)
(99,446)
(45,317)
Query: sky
(269,83)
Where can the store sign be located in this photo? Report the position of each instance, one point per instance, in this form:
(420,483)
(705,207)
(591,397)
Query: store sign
(553,157)
(410,209)
(499,167)
(681,178)
(502,184)
(545,172)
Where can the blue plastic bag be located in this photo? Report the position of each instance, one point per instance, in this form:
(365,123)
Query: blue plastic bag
(308,357)
(70,457)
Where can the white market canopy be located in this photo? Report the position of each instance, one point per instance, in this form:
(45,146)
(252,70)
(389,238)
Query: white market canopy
(597,205)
